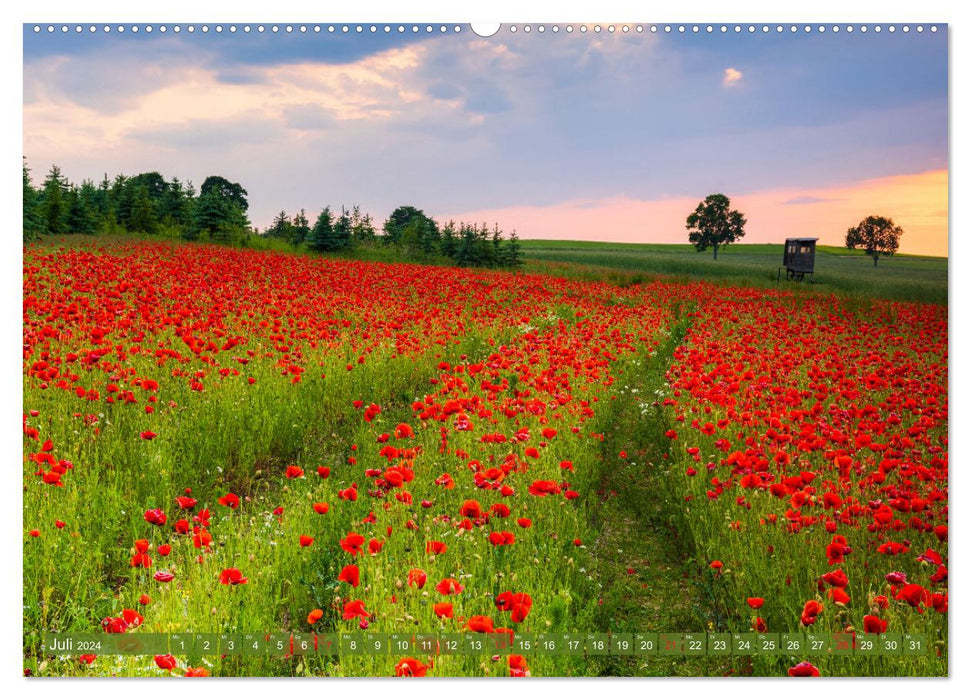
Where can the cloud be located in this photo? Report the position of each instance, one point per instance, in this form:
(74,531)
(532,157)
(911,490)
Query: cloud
(732,77)
(806,199)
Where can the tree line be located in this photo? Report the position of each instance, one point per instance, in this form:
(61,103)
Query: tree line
(409,231)
(149,204)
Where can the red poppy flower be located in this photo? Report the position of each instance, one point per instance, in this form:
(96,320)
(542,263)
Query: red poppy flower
(306,540)
(293,472)
(471,509)
(148,435)
(755,603)
(163,576)
(232,577)
(443,610)
(417,578)
(87,658)
(874,625)
(230,500)
(524,522)
(321,508)
(838,596)
(810,611)
(353,543)
(200,672)
(155,516)
(804,669)
(350,574)
(166,662)
(498,539)
(449,586)
(185,502)
(915,596)
(314,616)
(408,668)
(517,666)
(434,547)
(479,623)
(355,609)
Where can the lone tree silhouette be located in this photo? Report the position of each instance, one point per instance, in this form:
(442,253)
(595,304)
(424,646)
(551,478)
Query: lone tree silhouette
(714,224)
(877,235)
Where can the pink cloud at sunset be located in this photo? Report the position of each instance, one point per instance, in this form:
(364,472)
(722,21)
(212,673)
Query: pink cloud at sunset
(917,202)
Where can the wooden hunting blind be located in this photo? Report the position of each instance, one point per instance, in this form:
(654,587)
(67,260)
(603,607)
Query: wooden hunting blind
(798,258)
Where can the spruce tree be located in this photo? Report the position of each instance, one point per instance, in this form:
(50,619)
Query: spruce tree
(322,234)
(53,206)
(33,222)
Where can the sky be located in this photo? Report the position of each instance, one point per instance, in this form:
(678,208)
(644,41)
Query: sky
(592,136)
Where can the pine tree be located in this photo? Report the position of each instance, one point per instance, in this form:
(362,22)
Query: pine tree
(362,227)
(342,231)
(322,234)
(300,229)
(495,253)
(512,255)
(144,217)
(281,228)
(33,222)
(82,216)
(449,243)
(53,206)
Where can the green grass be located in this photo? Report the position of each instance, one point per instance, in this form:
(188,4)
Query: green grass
(838,270)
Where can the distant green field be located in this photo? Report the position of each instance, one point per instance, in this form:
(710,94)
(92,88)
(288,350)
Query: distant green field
(838,270)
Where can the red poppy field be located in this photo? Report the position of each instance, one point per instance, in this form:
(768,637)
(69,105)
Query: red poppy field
(229,442)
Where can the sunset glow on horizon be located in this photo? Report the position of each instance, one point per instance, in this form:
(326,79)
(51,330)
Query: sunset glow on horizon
(918,203)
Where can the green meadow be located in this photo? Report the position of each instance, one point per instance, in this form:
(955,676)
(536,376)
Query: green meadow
(838,270)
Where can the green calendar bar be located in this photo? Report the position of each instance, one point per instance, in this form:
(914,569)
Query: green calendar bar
(867,645)
(646,643)
(695,644)
(328,644)
(914,644)
(573,644)
(255,644)
(793,643)
(303,644)
(621,644)
(818,644)
(719,644)
(352,644)
(181,644)
(672,644)
(377,644)
(524,643)
(278,644)
(451,644)
(891,644)
(549,644)
(842,644)
(597,644)
(402,643)
(744,644)
(767,643)
(231,644)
